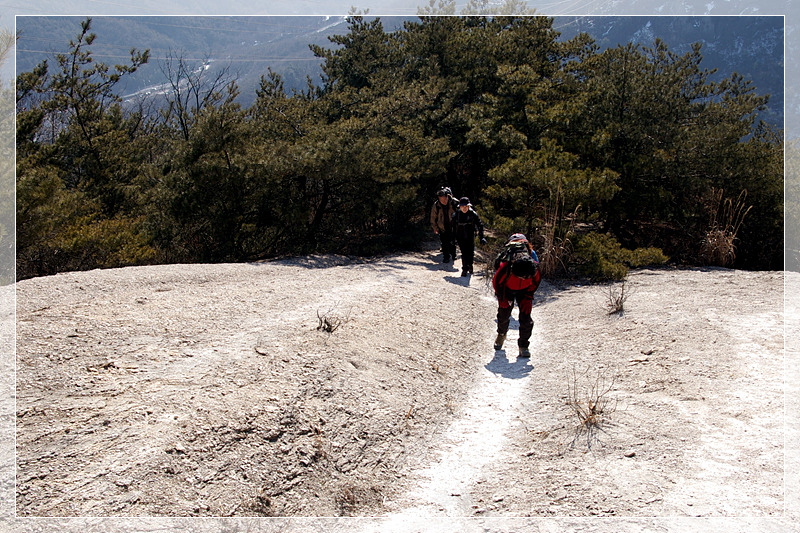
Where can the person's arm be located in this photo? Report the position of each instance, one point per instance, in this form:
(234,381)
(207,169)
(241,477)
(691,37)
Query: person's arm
(479,226)
(497,279)
(537,279)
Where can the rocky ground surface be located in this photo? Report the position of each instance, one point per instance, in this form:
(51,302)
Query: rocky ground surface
(331,387)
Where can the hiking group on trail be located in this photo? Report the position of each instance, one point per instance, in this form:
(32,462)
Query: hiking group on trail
(456,221)
(516,267)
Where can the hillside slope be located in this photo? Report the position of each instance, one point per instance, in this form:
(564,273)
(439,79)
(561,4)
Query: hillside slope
(207,390)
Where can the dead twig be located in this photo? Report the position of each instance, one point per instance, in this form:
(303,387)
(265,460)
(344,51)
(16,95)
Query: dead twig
(616,297)
(591,404)
(329,322)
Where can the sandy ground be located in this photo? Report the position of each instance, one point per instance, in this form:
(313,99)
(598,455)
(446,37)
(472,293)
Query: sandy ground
(182,391)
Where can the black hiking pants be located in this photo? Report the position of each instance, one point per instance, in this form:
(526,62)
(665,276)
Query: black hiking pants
(525,320)
(448,239)
(467,253)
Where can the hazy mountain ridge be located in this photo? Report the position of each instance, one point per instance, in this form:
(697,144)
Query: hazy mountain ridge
(750,46)
(249,46)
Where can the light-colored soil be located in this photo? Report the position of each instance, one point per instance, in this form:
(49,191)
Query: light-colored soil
(207,390)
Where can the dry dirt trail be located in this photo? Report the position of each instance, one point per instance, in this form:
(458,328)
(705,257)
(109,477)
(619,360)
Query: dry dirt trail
(186,391)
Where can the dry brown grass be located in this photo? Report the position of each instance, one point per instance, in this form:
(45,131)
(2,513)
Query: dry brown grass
(556,249)
(725,217)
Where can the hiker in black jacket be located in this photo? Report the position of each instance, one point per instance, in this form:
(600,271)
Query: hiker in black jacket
(466,222)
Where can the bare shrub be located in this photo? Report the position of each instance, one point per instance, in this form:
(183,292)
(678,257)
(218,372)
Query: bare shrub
(725,218)
(616,297)
(487,272)
(330,322)
(591,404)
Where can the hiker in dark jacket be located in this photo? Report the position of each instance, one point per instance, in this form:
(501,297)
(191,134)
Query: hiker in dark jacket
(466,223)
(516,281)
(442,222)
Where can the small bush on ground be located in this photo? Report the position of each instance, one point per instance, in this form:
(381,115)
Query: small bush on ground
(330,322)
(589,399)
(616,297)
(602,258)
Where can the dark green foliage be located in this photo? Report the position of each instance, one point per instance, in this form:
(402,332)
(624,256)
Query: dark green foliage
(602,158)
(530,180)
(484,69)
(672,136)
(78,158)
(600,257)
(61,229)
(202,204)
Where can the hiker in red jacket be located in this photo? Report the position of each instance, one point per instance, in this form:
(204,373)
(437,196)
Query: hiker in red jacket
(516,281)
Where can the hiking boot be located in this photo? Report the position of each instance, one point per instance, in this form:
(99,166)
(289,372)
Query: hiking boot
(463,273)
(498,342)
(524,352)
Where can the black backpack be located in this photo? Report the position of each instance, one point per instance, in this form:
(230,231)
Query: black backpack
(518,255)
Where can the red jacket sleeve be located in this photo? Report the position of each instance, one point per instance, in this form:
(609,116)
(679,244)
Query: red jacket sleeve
(498,275)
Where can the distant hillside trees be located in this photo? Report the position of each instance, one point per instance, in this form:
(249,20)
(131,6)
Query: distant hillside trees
(672,137)
(603,153)
(7,224)
(79,155)
(793,205)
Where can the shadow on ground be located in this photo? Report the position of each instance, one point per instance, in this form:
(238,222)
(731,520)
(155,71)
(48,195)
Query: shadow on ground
(500,365)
